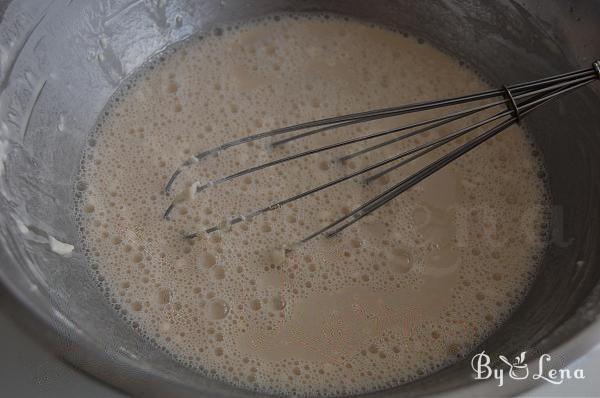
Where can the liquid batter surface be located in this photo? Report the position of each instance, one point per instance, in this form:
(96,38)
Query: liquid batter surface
(400,294)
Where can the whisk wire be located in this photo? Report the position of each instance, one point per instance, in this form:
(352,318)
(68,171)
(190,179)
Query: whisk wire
(333,121)
(419,150)
(429,124)
(519,99)
(391,193)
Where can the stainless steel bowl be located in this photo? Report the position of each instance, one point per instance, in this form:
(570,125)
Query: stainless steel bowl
(61,60)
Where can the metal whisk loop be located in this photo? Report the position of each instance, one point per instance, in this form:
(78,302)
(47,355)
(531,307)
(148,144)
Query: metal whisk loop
(513,103)
(518,100)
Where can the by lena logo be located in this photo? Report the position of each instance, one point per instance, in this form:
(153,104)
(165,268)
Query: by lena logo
(519,370)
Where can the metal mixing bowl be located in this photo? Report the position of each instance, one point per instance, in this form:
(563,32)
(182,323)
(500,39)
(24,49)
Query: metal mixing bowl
(60,61)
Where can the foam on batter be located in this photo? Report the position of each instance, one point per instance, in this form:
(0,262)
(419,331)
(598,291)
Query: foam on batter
(400,294)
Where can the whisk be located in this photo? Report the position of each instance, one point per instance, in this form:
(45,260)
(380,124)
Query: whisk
(516,101)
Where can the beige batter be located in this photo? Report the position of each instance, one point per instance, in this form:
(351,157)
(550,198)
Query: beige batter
(398,295)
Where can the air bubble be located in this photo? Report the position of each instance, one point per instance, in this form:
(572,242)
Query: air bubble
(217,309)
(206,260)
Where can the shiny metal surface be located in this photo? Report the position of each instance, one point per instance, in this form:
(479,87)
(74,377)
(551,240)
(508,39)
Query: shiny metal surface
(61,60)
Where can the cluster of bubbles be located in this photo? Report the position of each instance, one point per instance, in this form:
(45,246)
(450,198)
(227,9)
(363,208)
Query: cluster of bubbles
(464,245)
